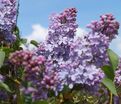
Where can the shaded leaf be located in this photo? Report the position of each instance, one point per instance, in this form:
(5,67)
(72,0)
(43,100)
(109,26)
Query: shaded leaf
(2,57)
(23,41)
(7,51)
(65,89)
(40,102)
(109,72)
(5,87)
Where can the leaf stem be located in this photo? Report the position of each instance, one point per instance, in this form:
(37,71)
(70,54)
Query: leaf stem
(111,98)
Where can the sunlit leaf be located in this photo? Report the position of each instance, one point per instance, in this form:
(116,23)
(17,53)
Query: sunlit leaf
(114,59)
(110,85)
(35,43)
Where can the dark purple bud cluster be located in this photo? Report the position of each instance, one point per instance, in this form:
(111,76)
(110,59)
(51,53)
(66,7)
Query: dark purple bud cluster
(33,65)
(69,60)
(107,26)
(29,61)
(50,81)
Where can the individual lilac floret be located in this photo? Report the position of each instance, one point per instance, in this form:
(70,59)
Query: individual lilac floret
(8,17)
(1,78)
(107,25)
(118,73)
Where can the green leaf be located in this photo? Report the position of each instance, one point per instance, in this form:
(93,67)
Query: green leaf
(40,102)
(4,87)
(35,43)
(7,51)
(114,59)
(65,89)
(16,31)
(2,57)
(110,85)
(109,72)
(23,41)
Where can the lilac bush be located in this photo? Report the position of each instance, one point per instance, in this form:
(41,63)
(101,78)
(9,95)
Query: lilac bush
(62,69)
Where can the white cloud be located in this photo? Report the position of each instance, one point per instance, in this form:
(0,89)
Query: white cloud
(116,45)
(39,33)
(80,32)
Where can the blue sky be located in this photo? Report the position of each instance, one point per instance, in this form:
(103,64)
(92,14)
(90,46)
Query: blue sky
(33,13)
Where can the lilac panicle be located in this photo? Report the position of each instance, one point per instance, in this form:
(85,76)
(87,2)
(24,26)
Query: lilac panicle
(33,67)
(62,25)
(79,61)
(29,61)
(8,16)
(72,59)
(107,25)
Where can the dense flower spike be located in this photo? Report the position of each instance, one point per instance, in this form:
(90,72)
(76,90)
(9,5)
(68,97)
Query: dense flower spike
(8,16)
(74,59)
(64,24)
(107,26)
(33,68)
(30,61)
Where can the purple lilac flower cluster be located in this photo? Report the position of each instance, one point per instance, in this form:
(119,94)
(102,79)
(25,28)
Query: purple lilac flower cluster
(8,16)
(33,65)
(30,61)
(107,26)
(78,61)
(3,94)
(69,60)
